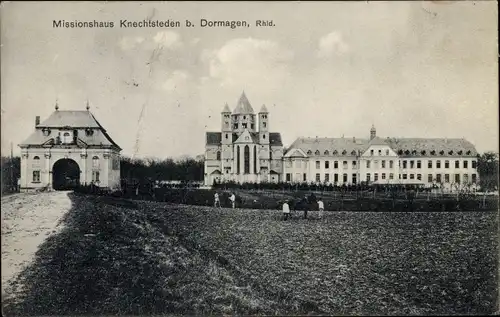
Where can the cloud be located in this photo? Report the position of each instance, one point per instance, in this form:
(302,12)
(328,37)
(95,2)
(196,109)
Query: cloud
(164,39)
(332,43)
(177,81)
(128,43)
(241,62)
(168,39)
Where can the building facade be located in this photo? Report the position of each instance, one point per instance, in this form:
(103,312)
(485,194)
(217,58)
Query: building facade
(244,150)
(450,162)
(69,148)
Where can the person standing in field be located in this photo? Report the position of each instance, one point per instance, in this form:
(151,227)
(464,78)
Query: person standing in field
(233,199)
(286,210)
(216,200)
(321,208)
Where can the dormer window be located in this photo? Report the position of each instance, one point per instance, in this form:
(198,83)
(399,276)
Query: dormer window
(441,152)
(407,152)
(400,152)
(344,152)
(468,153)
(326,152)
(386,152)
(423,152)
(414,152)
(317,152)
(433,152)
(451,152)
(353,152)
(460,152)
(46,132)
(89,132)
(335,152)
(309,152)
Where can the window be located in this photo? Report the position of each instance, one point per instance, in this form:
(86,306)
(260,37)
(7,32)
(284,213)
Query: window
(383,175)
(386,152)
(264,124)
(354,165)
(246,154)
(419,177)
(405,176)
(36,177)
(218,155)
(457,164)
(354,179)
(255,159)
(344,178)
(252,126)
(344,152)
(446,164)
(404,164)
(466,178)
(317,164)
(438,164)
(235,126)
(335,178)
(429,164)
(371,152)
(244,125)
(327,178)
(367,164)
(326,152)
(412,164)
(375,177)
(391,175)
(419,164)
(474,164)
(227,136)
(288,177)
(391,164)
(305,177)
(309,152)
(446,178)
(46,132)
(457,178)
(317,152)
(327,164)
(318,177)
(383,163)
(264,136)
(344,165)
(429,178)
(368,177)
(438,178)
(474,178)
(238,160)
(335,164)
(412,176)
(95,176)
(466,164)
(95,162)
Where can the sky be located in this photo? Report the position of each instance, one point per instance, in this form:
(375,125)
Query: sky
(326,69)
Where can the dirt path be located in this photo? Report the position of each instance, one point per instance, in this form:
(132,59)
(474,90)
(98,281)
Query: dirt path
(27,220)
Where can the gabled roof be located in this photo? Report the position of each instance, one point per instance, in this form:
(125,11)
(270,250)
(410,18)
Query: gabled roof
(71,119)
(377,141)
(243,106)
(248,137)
(328,146)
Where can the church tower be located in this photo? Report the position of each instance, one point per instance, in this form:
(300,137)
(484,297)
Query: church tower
(373,132)
(243,117)
(263,125)
(226,142)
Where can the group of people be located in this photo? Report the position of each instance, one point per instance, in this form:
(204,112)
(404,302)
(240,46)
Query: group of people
(304,204)
(232,198)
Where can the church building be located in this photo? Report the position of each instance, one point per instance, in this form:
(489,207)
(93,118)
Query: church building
(69,148)
(245,150)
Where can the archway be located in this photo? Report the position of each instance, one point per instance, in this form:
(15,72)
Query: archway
(65,174)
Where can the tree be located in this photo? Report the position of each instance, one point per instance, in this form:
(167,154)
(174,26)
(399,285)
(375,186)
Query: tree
(487,167)
(11,171)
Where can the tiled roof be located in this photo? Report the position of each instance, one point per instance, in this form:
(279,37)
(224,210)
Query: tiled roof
(402,146)
(243,106)
(71,118)
(330,146)
(426,147)
(275,138)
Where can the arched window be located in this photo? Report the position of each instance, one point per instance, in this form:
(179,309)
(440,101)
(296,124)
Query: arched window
(238,159)
(95,162)
(36,158)
(66,137)
(255,159)
(246,154)
(218,155)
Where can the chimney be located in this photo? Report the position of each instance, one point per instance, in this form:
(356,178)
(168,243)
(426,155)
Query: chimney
(37,120)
